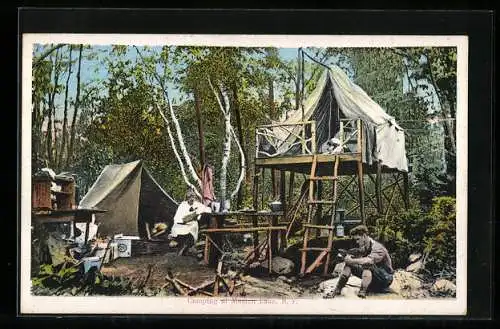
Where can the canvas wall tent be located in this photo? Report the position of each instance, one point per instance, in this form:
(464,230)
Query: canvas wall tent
(336,96)
(131,197)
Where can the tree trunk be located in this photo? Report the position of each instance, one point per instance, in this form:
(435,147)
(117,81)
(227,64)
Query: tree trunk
(225,155)
(65,116)
(237,113)
(69,156)
(51,112)
(200,128)
(35,139)
(445,112)
(226,110)
(178,157)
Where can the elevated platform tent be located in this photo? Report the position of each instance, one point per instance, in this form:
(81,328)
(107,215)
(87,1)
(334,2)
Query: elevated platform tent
(333,110)
(340,131)
(131,198)
(338,122)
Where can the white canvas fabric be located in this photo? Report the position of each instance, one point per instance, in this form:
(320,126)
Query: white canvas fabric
(353,103)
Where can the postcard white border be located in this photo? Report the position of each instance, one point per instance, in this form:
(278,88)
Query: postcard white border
(176,305)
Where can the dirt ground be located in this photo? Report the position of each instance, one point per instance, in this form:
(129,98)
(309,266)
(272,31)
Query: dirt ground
(192,271)
(185,268)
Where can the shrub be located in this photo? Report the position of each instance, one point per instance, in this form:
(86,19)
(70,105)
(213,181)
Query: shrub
(433,233)
(440,239)
(402,234)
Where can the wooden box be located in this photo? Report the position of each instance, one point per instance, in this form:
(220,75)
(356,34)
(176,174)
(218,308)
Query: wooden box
(40,193)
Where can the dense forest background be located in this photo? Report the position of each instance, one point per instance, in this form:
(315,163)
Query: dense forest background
(96,105)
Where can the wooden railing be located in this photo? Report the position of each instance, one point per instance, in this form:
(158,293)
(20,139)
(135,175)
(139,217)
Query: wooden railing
(349,135)
(278,139)
(281,138)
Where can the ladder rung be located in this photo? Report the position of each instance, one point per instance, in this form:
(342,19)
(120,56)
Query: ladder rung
(322,201)
(326,227)
(332,178)
(314,249)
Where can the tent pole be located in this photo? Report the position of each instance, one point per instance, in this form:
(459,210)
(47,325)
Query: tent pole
(360,173)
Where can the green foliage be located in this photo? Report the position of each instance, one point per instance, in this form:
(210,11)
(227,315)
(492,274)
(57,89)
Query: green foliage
(403,234)
(412,231)
(70,277)
(57,276)
(440,239)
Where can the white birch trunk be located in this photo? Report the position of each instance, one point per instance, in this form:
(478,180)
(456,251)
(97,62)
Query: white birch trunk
(181,143)
(225,155)
(180,139)
(227,146)
(179,160)
(242,164)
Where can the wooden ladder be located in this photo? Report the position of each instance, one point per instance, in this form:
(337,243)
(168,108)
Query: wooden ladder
(312,204)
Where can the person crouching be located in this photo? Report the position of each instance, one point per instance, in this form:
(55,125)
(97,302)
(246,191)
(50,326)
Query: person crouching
(374,267)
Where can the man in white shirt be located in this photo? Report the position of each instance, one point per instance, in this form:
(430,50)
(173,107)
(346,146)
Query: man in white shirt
(185,228)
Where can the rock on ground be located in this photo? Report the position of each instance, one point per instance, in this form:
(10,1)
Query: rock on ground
(444,287)
(282,266)
(414,257)
(268,288)
(350,290)
(415,267)
(408,285)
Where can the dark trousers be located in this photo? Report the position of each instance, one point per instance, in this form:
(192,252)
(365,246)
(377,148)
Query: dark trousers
(381,278)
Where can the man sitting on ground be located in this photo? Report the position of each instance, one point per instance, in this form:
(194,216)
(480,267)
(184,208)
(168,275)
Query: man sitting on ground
(374,267)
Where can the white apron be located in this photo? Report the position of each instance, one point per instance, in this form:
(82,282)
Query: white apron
(184,213)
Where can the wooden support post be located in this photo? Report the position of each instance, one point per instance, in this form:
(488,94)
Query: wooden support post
(283,190)
(360,173)
(87,228)
(378,188)
(263,172)
(270,251)
(255,238)
(206,254)
(212,255)
(361,192)
(255,190)
(290,187)
(283,199)
(304,252)
(274,235)
(329,249)
(406,196)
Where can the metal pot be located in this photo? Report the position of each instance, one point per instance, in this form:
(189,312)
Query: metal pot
(276,206)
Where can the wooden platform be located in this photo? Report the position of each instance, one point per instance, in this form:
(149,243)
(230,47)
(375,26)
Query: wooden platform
(302,164)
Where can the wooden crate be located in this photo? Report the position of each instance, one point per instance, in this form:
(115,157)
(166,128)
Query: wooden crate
(66,197)
(40,193)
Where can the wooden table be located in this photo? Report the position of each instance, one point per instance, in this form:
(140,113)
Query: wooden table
(73,216)
(216,229)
